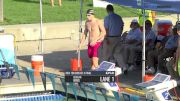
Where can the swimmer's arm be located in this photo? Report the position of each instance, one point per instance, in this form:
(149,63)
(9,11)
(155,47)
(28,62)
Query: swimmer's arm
(102,30)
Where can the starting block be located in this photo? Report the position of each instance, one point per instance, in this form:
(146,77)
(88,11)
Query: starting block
(157,89)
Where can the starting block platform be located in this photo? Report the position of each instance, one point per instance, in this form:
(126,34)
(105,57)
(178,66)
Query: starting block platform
(158,88)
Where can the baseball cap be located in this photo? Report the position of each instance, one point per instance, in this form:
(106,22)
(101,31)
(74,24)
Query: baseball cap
(90,11)
(134,20)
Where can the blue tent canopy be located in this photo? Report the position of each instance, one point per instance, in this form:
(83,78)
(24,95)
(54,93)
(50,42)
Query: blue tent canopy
(171,6)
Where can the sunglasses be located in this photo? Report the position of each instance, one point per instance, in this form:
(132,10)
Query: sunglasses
(148,23)
(88,15)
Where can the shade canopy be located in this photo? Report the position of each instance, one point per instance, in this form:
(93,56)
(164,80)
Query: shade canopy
(171,6)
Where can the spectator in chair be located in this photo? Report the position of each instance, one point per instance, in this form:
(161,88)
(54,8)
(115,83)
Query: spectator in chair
(150,38)
(160,54)
(133,39)
(178,49)
(172,65)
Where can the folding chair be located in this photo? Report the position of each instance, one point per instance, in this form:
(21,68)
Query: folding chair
(8,65)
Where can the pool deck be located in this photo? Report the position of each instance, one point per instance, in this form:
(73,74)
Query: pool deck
(57,59)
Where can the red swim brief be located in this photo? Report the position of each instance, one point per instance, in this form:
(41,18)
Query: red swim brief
(93,50)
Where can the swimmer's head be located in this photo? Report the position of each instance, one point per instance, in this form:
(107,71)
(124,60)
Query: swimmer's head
(90,11)
(90,14)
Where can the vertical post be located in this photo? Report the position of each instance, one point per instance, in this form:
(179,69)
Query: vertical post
(143,49)
(41,32)
(80,31)
(141,3)
(177,17)
(143,41)
(1,11)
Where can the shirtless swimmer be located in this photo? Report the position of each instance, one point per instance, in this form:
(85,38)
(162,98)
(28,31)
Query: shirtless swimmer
(96,31)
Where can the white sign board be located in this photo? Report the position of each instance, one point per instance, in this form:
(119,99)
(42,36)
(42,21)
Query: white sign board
(100,3)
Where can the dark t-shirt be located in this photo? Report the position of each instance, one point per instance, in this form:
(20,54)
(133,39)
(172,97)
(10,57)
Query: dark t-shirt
(163,41)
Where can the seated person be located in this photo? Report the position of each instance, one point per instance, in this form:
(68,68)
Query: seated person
(162,52)
(172,65)
(132,40)
(150,36)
